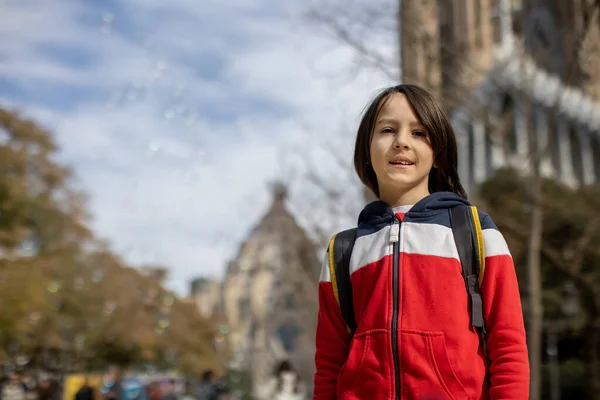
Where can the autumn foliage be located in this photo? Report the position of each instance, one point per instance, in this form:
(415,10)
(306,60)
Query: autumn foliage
(67,301)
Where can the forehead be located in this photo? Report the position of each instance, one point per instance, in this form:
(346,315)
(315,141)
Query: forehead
(397,107)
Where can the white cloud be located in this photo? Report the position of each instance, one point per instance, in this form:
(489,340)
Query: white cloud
(179,125)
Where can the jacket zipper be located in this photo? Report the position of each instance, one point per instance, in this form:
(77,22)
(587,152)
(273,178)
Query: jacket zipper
(394,239)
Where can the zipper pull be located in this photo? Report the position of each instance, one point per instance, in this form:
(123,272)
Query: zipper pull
(394,232)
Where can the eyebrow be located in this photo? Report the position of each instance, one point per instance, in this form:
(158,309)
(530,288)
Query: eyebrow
(388,120)
(394,121)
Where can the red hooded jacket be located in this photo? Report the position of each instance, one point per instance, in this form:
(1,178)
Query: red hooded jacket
(414,339)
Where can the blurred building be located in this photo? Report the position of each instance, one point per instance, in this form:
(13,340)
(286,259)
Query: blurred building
(206,295)
(268,298)
(513,73)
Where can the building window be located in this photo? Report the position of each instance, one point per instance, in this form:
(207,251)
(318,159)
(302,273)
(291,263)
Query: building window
(553,145)
(595,144)
(495,15)
(576,154)
(289,302)
(471,134)
(478,26)
(509,124)
(288,335)
(490,143)
(244,307)
(447,50)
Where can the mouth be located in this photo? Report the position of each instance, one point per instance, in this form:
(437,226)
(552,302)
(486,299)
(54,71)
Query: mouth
(401,162)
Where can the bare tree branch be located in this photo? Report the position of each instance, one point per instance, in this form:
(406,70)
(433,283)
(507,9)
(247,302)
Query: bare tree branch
(574,254)
(347,38)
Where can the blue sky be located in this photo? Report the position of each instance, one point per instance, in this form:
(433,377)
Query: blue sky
(177,114)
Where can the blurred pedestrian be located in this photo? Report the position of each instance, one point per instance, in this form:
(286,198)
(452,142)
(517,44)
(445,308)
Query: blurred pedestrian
(284,384)
(13,388)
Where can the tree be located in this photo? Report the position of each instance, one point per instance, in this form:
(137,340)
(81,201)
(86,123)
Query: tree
(569,246)
(42,225)
(66,301)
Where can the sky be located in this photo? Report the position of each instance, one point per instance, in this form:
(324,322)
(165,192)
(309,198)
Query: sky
(177,115)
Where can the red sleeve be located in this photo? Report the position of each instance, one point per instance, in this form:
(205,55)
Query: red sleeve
(506,340)
(333,340)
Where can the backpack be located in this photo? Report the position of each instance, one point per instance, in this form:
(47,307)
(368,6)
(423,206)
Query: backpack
(468,236)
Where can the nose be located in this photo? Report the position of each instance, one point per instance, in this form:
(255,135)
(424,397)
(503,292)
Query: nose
(401,140)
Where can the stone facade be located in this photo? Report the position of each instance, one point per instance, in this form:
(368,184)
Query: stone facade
(206,295)
(511,73)
(268,298)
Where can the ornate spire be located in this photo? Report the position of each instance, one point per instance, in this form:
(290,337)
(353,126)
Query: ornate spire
(279,190)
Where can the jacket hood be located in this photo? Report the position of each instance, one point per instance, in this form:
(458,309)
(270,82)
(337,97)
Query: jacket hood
(379,212)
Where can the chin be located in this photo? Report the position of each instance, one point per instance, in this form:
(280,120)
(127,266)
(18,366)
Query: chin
(402,179)
(402,183)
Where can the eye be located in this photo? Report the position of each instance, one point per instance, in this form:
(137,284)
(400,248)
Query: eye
(420,133)
(387,130)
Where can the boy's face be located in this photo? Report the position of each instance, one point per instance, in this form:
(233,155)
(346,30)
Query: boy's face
(401,153)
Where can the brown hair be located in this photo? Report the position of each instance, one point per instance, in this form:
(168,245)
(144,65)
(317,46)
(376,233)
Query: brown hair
(444,175)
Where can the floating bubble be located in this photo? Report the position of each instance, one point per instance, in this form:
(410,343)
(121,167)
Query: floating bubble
(148,44)
(235,378)
(22,360)
(97,275)
(162,65)
(219,339)
(190,121)
(190,177)
(27,247)
(153,77)
(116,98)
(30,246)
(108,18)
(109,307)
(154,146)
(177,91)
(169,113)
(224,329)
(200,153)
(171,355)
(163,323)
(79,341)
(131,94)
(129,205)
(169,300)
(181,109)
(78,283)
(13,348)
(165,310)
(53,287)
(59,305)
(34,317)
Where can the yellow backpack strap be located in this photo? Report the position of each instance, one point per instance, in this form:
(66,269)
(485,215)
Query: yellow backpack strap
(332,271)
(468,237)
(464,230)
(340,251)
(480,244)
